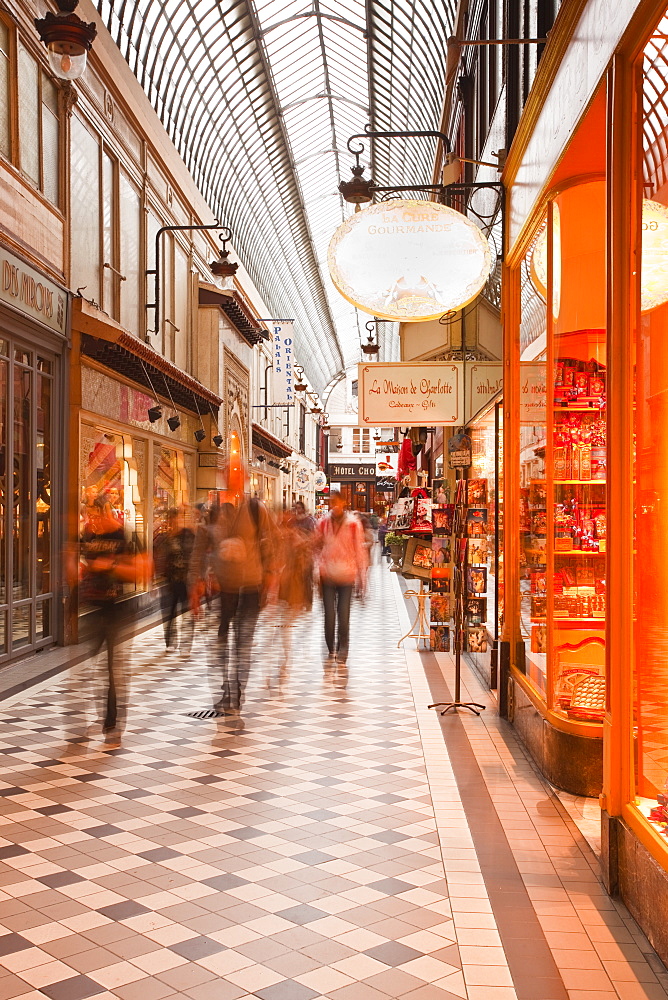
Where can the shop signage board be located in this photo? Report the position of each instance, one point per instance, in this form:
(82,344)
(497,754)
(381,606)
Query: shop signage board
(25,289)
(410,395)
(352,473)
(532,393)
(483,383)
(319,479)
(459,451)
(409,260)
(283,377)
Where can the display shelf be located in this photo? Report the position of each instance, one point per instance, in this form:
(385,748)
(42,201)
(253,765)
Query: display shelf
(579,482)
(574,622)
(567,553)
(579,408)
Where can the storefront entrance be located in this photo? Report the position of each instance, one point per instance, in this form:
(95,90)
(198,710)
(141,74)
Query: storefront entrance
(29,400)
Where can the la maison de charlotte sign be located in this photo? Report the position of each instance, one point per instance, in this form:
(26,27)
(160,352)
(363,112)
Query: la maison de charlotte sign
(447,393)
(413,394)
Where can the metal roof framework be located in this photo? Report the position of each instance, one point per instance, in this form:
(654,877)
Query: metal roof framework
(259,98)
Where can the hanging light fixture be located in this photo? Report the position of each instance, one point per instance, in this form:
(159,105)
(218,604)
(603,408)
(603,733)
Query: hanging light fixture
(358,191)
(200,434)
(299,386)
(67,38)
(224,268)
(173,422)
(217,440)
(154,413)
(371,348)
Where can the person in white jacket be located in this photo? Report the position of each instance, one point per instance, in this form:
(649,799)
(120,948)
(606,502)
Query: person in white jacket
(342,565)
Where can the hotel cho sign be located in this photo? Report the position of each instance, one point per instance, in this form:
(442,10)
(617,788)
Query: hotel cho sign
(396,394)
(409,261)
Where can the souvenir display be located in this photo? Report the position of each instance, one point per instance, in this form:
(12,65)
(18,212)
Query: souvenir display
(403,513)
(441,584)
(439,638)
(476,521)
(441,493)
(477,640)
(476,610)
(442,519)
(421,515)
(439,608)
(417,559)
(441,551)
(476,580)
(477,551)
(476,492)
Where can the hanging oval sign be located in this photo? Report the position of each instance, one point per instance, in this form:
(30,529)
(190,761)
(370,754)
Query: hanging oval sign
(319,479)
(409,261)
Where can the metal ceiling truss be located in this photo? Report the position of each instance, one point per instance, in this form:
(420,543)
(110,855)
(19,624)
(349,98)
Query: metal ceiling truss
(259,97)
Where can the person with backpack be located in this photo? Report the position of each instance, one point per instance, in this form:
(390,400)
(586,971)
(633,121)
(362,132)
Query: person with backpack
(342,565)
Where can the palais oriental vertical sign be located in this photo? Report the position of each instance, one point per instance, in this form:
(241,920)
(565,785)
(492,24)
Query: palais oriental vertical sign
(283,378)
(390,395)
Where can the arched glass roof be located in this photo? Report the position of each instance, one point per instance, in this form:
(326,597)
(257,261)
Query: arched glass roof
(259,97)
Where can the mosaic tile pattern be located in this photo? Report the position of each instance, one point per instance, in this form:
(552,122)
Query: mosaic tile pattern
(288,856)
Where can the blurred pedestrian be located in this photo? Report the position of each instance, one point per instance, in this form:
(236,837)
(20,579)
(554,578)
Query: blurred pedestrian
(382,532)
(239,544)
(172,551)
(342,563)
(107,564)
(295,581)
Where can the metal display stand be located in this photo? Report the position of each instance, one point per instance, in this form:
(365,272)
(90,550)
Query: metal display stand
(460,527)
(420,628)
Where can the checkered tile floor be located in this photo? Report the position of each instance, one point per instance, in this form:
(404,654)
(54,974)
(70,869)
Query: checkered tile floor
(290,855)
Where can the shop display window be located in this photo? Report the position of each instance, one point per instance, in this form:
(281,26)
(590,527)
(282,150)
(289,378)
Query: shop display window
(563,521)
(533,555)
(170,484)
(651,438)
(578,467)
(484,611)
(112,476)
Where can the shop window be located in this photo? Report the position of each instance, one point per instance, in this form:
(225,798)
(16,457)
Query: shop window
(106,217)
(563,496)
(112,479)
(170,484)
(38,125)
(85,211)
(531,650)
(26,543)
(361,440)
(485,610)
(5,92)
(651,437)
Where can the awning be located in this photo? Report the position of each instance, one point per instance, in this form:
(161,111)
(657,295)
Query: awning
(237,310)
(108,343)
(267,442)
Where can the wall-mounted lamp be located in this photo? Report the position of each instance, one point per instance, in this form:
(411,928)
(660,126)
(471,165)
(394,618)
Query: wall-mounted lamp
(154,413)
(361,190)
(339,445)
(173,422)
(155,305)
(67,38)
(224,268)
